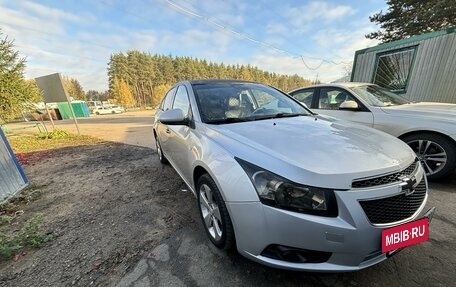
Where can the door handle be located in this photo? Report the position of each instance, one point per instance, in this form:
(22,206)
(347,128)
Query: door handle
(168,131)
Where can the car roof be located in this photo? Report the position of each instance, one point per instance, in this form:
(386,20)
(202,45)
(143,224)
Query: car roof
(218,81)
(339,85)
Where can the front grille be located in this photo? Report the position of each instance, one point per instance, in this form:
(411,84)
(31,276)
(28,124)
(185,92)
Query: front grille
(386,179)
(394,208)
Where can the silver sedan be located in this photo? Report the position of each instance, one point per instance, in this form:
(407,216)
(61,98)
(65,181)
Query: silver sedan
(428,128)
(288,188)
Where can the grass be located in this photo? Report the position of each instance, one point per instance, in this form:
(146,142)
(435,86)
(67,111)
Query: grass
(47,141)
(30,235)
(15,234)
(6,219)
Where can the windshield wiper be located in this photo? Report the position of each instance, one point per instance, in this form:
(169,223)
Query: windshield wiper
(227,121)
(280,115)
(289,115)
(250,118)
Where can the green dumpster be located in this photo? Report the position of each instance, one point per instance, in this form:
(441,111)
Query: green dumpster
(80,108)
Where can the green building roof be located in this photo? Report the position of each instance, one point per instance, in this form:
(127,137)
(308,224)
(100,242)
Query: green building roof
(412,39)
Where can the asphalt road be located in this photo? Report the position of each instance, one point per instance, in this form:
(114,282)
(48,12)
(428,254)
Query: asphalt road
(133,128)
(188,258)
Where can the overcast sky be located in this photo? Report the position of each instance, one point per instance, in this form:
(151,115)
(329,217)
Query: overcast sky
(76,38)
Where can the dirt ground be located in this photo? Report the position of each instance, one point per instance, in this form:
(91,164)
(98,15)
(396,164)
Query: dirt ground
(104,205)
(120,218)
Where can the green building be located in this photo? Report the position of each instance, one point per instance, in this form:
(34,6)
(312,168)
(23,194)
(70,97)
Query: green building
(422,67)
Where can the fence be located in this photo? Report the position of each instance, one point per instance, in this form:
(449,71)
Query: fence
(12,177)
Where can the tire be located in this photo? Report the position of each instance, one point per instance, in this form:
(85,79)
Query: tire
(97,113)
(215,216)
(437,154)
(161,156)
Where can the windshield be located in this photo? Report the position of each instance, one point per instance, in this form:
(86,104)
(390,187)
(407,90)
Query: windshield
(239,102)
(379,97)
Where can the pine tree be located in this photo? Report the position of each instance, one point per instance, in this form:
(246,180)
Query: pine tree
(158,94)
(122,93)
(406,18)
(16,93)
(74,88)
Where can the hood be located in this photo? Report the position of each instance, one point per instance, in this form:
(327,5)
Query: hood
(427,109)
(314,151)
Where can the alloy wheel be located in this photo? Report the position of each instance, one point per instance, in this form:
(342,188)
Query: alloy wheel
(431,155)
(210,212)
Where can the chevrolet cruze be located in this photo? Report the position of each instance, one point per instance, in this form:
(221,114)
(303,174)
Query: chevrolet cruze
(286,187)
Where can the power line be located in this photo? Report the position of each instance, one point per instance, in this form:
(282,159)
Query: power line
(213,21)
(219,25)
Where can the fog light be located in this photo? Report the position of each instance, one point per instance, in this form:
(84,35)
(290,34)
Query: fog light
(295,255)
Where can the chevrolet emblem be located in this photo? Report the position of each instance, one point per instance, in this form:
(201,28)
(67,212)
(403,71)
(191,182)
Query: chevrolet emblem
(408,185)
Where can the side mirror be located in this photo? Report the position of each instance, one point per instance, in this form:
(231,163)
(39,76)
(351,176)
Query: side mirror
(349,105)
(173,117)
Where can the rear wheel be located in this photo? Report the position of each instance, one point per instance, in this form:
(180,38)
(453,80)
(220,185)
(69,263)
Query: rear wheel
(436,153)
(160,154)
(214,214)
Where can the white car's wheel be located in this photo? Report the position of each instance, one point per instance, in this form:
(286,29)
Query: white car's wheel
(436,153)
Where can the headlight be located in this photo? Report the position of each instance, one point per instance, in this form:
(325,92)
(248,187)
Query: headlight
(276,191)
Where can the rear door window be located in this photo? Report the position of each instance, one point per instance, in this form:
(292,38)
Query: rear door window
(304,96)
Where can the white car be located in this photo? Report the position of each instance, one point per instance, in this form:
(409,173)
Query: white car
(286,187)
(117,109)
(104,110)
(428,128)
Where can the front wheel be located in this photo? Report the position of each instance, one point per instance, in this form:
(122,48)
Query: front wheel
(214,214)
(436,153)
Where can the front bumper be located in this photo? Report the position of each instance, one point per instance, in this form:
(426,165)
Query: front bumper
(353,241)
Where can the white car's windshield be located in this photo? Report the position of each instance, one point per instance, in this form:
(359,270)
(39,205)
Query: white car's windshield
(239,102)
(379,97)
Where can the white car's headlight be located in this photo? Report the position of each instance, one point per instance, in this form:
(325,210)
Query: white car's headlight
(276,191)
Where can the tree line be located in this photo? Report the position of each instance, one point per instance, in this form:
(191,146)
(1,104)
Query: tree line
(142,79)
